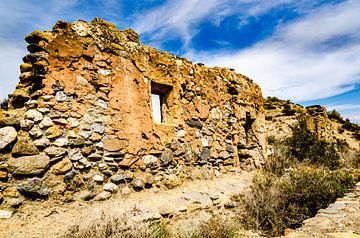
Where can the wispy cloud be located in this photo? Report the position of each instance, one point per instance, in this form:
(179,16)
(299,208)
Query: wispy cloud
(304,59)
(181,19)
(350,111)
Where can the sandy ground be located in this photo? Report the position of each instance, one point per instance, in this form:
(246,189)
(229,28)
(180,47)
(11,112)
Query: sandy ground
(53,219)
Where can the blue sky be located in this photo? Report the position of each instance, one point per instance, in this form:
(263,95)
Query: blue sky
(304,50)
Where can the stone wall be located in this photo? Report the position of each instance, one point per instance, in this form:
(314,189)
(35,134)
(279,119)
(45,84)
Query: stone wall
(81,117)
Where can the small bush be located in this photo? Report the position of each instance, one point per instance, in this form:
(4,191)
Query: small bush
(305,146)
(271,140)
(276,203)
(117,227)
(4,104)
(347,125)
(336,116)
(287,110)
(216,227)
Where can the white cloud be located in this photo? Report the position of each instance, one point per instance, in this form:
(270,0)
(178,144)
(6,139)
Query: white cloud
(182,18)
(297,62)
(350,111)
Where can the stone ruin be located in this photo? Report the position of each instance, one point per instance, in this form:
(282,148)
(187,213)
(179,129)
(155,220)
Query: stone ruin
(81,120)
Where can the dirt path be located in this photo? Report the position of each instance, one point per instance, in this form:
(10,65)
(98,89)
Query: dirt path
(51,219)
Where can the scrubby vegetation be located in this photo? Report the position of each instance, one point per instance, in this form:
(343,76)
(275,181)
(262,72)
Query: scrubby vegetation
(117,227)
(304,145)
(298,180)
(121,227)
(4,104)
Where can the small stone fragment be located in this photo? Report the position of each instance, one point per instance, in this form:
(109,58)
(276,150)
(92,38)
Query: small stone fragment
(46,122)
(110,187)
(98,178)
(62,167)
(60,96)
(167,156)
(5,214)
(26,124)
(138,184)
(33,115)
(103,196)
(53,132)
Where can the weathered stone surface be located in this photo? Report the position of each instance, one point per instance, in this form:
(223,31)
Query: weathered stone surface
(149,159)
(171,181)
(114,145)
(9,118)
(24,146)
(34,115)
(54,151)
(46,122)
(35,132)
(42,142)
(98,178)
(29,165)
(110,187)
(62,167)
(26,124)
(5,214)
(102,196)
(138,184)
(34,187)
(194,123)
(53,132)
(117,179)
(3,175)
(167,156)
(60,142)
(7,136)
(86,195)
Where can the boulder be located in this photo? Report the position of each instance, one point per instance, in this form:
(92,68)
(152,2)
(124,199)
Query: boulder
(8,135)
(29,165)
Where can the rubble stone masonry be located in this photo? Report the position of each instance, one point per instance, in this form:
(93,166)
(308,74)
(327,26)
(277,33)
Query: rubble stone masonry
(80,121)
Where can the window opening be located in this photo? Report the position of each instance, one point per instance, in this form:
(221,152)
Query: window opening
(156,106)
(159,96)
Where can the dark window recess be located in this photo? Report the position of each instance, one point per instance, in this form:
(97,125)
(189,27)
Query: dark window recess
(159,97)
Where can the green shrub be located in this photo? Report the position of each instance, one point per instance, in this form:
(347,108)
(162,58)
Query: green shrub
(276,203)
(4,104)
(116,227)
(216,227)
(287,110)
(305,146)
(347,125)
(336,116)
